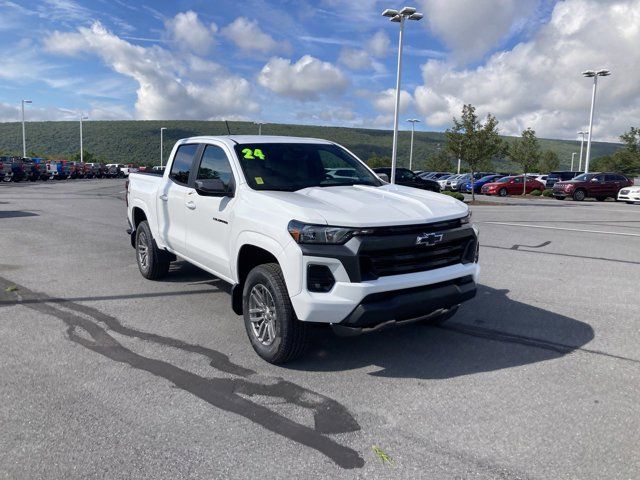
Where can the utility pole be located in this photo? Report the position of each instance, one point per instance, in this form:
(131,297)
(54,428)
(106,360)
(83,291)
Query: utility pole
(24,139)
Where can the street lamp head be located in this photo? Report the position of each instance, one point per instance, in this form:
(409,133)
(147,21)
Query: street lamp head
(27,101)
(416,16)
(163,128)
(603,73)
(589,73)
(413,120)
(407,11)
(583,133)
(397,19)
(389,13)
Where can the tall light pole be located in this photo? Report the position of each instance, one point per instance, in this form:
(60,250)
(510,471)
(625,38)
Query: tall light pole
(573,155)
(259,127)
(583,133)
(399,17)
(24,140)
(591,73)
(412,121)
(82,117)
(161,144)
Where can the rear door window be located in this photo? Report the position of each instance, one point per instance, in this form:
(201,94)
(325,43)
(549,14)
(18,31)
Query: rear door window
(181,166)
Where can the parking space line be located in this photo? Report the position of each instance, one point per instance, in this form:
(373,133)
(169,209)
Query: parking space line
(526,225)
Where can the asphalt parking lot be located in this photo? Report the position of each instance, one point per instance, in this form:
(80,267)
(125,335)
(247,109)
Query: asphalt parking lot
(106,375)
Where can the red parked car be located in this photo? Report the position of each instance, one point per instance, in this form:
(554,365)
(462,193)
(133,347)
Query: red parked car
(511,186)
(600,185)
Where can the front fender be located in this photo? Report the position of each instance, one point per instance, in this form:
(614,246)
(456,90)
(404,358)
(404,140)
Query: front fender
(289,259)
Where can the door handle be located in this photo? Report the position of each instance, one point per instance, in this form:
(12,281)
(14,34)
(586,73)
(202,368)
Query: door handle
(163,197)
(191,205)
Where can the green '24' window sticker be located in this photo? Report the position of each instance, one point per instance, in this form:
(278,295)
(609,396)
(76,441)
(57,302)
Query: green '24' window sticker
(253,154)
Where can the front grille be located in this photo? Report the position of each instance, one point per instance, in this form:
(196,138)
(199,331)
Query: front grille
(416,258)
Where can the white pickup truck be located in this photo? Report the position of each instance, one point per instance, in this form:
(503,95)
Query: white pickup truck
(299,245)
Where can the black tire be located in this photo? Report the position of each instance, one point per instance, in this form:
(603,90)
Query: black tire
(502,192)
(559,198)
(601,199)
(629,203)
(153,263)
(284,338)
(579,195)
(440,319)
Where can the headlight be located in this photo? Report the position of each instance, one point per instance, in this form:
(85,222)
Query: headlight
(465,220)
(322,234)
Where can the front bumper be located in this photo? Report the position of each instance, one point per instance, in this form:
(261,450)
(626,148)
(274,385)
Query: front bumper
(411,303)
(345,297)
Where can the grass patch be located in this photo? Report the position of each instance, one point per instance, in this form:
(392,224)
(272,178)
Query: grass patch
(11,288)
(382,455)
(536,193)
(547,193)
(456,195)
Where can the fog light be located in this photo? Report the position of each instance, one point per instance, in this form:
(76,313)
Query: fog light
(319,278)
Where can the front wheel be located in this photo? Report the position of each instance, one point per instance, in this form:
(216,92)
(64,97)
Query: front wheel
(153,263)
(503,192)
(273,329)
(579,195)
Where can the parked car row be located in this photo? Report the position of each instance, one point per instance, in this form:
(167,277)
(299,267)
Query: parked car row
(576,185)
(18,169)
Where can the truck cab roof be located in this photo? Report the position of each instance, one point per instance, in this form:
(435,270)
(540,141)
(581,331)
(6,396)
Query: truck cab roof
(232,140)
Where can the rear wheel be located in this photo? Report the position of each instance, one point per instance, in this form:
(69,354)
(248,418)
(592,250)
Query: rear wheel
(273,329)
(153,263)
(502,192)
(441,318)
(579,195)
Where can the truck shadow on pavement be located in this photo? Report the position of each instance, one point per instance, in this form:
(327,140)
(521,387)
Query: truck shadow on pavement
(491,332)
(231,390)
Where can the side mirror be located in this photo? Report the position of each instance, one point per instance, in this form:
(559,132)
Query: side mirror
(214,187)
(383,176)
(595,180)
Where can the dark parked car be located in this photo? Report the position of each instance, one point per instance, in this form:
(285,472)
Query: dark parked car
(600,185)
(406,177)
(560,176)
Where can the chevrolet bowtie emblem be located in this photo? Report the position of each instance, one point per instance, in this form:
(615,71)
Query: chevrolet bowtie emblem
(428,238)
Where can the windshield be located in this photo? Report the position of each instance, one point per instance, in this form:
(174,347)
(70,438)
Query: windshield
(504,180)
(585,177)
(294,166)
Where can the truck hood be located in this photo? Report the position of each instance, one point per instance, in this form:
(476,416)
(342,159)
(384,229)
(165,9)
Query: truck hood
(365,206)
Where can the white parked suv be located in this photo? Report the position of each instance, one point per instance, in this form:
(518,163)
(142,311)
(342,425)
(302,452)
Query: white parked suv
(299,246)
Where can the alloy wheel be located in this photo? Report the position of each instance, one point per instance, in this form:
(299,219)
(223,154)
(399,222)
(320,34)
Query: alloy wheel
(262,314)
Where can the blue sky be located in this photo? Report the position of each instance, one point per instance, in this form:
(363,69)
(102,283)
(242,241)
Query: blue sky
(329,62)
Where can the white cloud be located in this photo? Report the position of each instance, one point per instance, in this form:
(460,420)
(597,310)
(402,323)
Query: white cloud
(385,103)
(247,36)
(189,33)
(538,83)
(355,59)
(170,86)
(471,29)
(304,80)
(380,44)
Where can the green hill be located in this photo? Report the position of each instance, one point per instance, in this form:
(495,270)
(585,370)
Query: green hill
(139,141)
